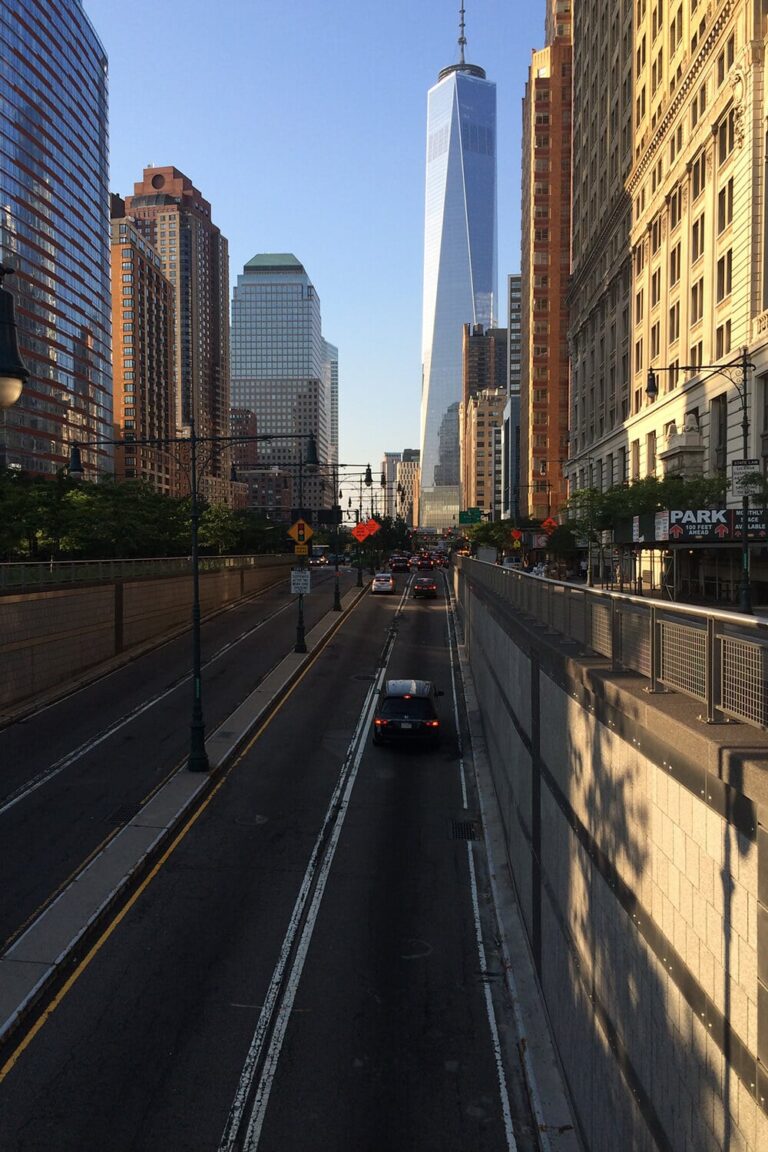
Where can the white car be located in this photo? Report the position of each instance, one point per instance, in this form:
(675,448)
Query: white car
(383,582)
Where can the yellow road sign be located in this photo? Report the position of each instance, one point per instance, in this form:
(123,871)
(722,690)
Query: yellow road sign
(301,549)
(300,531)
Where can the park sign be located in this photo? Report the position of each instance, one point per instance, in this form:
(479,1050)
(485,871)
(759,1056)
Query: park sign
(715,524)
(692,526)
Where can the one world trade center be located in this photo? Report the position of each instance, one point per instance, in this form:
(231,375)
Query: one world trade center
(459,267)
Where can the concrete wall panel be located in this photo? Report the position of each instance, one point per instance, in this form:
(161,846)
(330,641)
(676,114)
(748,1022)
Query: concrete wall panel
(51,638)
(642,906)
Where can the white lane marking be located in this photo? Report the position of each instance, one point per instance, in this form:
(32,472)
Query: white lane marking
(335,813)
(462,774)
(496,1042)
(70,758)
(503,1091)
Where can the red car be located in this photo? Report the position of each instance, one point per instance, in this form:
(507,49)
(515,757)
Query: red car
(425,586)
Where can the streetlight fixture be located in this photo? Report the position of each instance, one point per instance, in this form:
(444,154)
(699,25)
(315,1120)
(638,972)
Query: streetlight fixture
(741,365)
(13,372)
(198,757)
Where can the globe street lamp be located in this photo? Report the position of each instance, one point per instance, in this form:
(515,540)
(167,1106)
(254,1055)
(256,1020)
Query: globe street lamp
(740,366)
(13,371)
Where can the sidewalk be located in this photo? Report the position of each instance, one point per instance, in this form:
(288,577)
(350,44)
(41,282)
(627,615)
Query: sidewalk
(57,938)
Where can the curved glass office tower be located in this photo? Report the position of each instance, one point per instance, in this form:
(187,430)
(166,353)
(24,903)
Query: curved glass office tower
(54,230)
(459,268)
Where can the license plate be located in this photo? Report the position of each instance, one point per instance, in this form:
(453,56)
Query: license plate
(405,724)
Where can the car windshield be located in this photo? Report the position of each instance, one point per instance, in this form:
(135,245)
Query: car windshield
(407,708)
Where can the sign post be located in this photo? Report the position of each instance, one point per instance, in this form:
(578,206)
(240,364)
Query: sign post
(301,533)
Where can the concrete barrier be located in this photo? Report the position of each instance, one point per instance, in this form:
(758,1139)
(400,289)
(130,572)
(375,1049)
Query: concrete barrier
(637,836)
(54,637)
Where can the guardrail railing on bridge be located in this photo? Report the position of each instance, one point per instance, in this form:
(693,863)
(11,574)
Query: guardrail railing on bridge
(719,658)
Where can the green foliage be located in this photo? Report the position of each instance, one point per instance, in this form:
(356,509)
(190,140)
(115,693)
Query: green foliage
(590,510)
(43,518)
(490,533)
(218,529)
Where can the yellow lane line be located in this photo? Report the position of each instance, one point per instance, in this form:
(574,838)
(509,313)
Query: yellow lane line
(45,1016)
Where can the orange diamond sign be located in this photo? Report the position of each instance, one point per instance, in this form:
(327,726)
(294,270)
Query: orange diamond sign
(360,532)
(300,531)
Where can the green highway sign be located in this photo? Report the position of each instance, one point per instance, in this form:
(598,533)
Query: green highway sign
(470,516)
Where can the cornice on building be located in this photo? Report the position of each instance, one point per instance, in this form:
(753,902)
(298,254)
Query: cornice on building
(682,93)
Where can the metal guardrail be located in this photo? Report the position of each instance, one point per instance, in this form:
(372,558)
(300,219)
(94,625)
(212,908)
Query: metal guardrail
(719,658)
(28,577)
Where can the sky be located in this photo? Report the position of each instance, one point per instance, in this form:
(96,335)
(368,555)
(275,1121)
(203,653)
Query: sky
(303,123)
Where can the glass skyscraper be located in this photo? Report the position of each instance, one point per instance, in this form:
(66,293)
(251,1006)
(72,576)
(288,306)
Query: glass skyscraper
(459,268)
(54,230)
(282,369)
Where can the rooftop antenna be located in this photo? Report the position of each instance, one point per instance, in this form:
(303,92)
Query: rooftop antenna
(462,37)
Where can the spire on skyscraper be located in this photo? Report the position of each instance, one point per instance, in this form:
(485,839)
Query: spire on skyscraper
(462,65)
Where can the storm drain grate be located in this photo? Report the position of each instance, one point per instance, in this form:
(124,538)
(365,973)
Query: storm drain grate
(463,830)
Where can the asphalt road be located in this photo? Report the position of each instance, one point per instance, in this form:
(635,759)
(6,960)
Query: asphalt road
(312,968)
(73,773)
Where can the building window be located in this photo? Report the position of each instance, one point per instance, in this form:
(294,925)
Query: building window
(726,136)
(725,206)
(674,322)
(697,239)
(650,453)
(698,175)
(655,287)
(675,208)
(724,269)
(697,301)
(635,460)
(699,105)
(723,339)
(655,340)
(674,265)
(725,60)
(718,432)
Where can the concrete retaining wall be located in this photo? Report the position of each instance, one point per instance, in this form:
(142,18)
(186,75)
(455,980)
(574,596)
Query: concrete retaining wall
(51,638)
(637,840)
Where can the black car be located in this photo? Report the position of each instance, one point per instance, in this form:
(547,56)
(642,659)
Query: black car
(398,563)
(407,710)
(425,586)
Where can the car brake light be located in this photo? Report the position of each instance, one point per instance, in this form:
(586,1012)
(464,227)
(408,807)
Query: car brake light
(380,723)
(433,723)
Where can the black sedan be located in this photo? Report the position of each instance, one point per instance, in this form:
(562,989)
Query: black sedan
(425,586)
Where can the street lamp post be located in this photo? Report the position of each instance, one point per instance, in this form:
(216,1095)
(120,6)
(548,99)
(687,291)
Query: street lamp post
(740,365)
(198,757)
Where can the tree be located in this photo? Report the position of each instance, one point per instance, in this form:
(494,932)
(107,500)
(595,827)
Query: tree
(218,528)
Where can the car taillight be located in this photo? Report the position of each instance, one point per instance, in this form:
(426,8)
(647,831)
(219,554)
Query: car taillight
(432,723)
(379,723)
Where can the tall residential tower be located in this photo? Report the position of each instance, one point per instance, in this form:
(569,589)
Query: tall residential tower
(459,266)
(171,213)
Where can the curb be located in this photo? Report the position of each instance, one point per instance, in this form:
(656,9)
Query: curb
(50,948)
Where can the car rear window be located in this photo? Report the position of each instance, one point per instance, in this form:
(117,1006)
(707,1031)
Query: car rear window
(400,708)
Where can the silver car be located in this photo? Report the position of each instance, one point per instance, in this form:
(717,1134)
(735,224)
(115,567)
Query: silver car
(383,582)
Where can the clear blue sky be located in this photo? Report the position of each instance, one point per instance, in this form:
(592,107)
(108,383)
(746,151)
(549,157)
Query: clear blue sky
(303,123)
